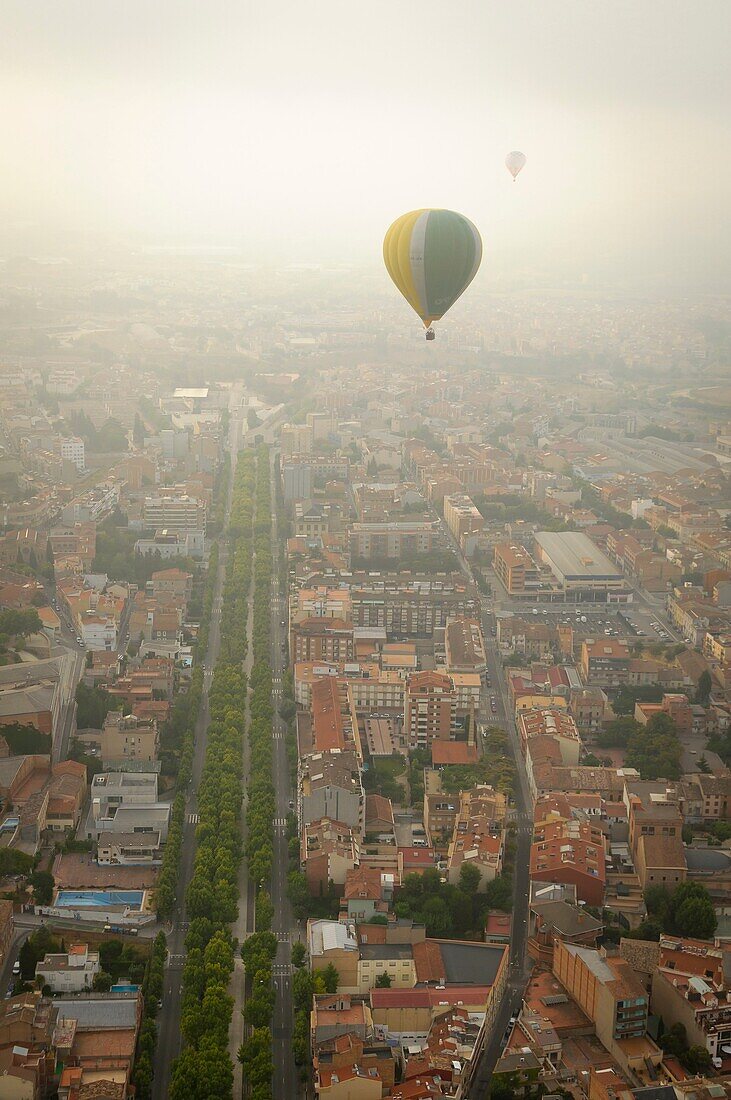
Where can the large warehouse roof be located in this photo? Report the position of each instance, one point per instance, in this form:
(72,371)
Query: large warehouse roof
(575,557)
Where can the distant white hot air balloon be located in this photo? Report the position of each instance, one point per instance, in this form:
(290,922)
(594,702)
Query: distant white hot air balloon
(515,162)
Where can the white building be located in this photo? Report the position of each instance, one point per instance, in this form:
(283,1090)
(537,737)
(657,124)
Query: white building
(71,973)
(173,544)
(148,820)
(128,850)
(73,450)
(98,632)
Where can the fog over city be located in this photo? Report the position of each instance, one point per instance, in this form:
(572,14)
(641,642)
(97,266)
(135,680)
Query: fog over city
(298,132)
(365,550)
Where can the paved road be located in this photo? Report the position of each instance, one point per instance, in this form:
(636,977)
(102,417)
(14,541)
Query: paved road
(521,878)
(284,925)
(169,1038)
(61,744)
(504,719)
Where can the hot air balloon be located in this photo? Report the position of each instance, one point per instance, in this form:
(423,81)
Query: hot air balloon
(515,162)
(432,257)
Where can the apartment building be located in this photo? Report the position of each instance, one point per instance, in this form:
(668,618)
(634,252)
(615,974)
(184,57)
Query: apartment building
(328,850)
(317,638)
(464,646)
(175,513)
(605,663)
(572,853)
(73,450)
(330,786)
(515,569)
(690,987)
(411,608)
(126,737)
(462,516)
(391,540)
(609,993)
(554,723)
(430,709)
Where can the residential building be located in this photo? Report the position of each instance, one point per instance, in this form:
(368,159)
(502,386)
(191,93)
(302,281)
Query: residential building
(126,737)
(690,986)
(410,607)
(554,724)
(174,513)
(462,516)
(570,852)
(172,582)
(328,850)
(98,632)
(72,450)
(128,849)
(430,710)
(71,972)
(515,569)
(330,786)
(607,990)
(321,639)
(552,920)
(391,540)
(464,646)
(605,662)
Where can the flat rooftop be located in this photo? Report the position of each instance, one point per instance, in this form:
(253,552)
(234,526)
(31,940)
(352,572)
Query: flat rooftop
(576,557)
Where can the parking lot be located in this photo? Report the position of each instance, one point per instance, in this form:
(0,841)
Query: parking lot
(629,621)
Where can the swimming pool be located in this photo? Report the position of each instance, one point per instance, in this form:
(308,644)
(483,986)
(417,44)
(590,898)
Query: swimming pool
(99,899)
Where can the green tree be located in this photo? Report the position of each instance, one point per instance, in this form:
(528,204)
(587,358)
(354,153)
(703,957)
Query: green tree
(703,691)
(102,982)
(298,954)
(674,1041)
(43,883)
(469,878)
(19,624)
(696,917)
(331,978)
(698,1060)
(383,981)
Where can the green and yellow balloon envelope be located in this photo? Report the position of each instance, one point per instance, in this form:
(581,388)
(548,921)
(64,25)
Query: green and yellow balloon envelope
(432,257)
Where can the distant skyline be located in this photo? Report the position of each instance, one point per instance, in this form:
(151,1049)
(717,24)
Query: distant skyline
(299,132)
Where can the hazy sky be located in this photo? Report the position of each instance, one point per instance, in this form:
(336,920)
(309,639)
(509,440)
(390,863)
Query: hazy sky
(301,129)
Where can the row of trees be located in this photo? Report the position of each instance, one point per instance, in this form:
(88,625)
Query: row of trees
(186,713)
(255,1054)
(152,987)
(234,612)
(179,740)
(204,1069)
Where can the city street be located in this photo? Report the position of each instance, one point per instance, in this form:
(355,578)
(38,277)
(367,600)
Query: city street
(169,1037)
(284,925)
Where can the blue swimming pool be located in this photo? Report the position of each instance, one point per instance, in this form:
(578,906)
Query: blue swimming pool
(99,899)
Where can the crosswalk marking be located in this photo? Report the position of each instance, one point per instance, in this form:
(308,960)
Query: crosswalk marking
(175,961)
(282,970)
(280,823)
(283,937)
(193,819)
